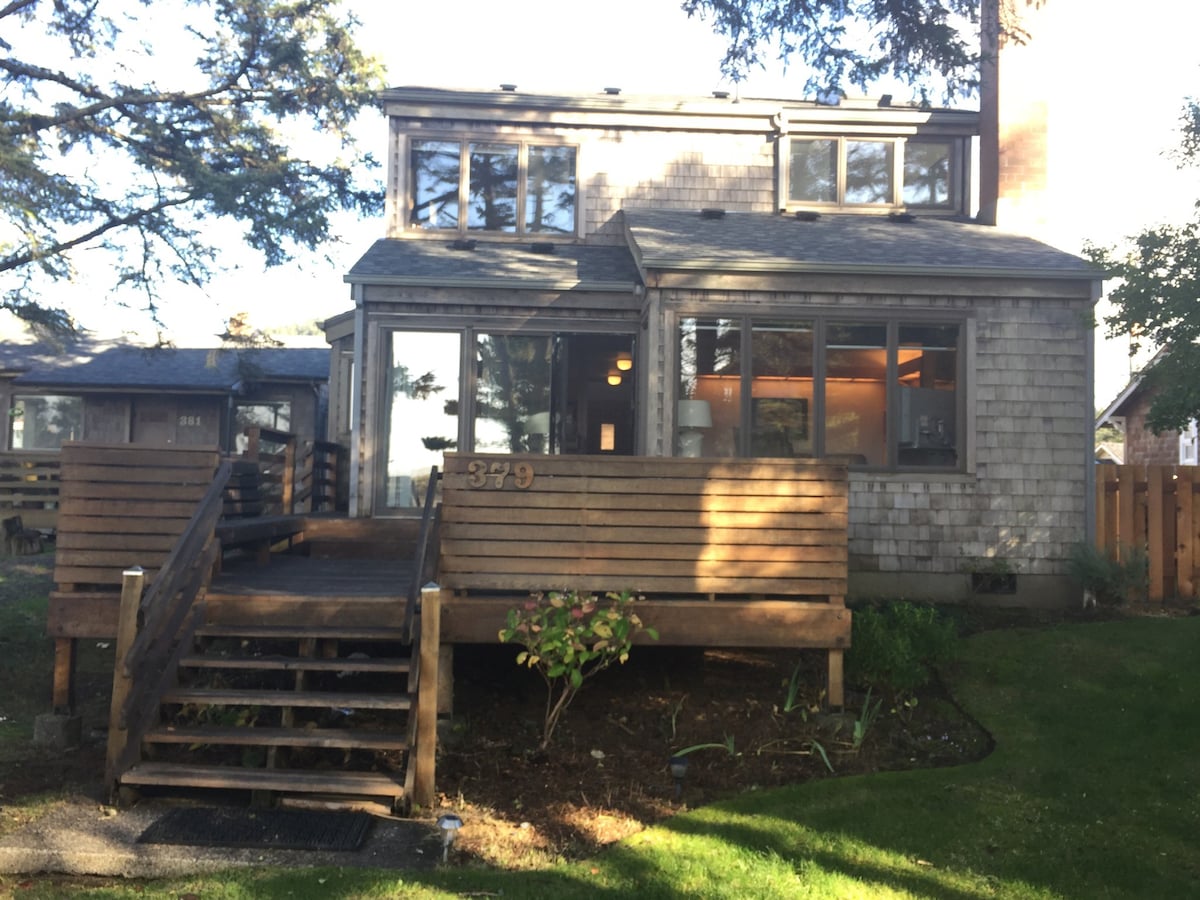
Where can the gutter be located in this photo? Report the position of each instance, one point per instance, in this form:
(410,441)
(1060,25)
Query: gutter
(436,281)
(758,267)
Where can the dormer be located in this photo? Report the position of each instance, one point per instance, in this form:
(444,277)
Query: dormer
(507,165)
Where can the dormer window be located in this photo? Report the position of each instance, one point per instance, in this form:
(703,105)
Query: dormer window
(492,186)
(875,172)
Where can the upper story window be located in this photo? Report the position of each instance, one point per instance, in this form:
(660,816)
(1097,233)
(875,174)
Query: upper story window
(514,188)
(872,172)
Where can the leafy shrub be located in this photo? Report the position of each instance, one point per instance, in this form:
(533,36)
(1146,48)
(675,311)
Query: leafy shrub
(1110,581)
(894,647)
(568,638)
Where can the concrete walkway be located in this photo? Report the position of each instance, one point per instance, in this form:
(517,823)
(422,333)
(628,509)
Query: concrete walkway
(81,836)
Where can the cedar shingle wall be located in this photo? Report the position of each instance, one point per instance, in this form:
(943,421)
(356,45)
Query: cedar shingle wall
(1143,446)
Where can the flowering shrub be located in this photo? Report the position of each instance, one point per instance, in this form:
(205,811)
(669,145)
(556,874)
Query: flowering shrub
(570,637)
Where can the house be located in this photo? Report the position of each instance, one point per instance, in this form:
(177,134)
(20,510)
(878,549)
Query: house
(716,277)
(1129,412)
(118,393)
(121,393)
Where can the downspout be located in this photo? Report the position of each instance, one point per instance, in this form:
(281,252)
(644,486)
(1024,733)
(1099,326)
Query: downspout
(356,399)
(989,111)
(1089,500)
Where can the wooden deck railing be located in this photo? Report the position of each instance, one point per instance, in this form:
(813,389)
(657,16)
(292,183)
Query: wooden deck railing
(29,487)
(725,552)
(280,475)
(1155,509)
(423,564)
(155,627)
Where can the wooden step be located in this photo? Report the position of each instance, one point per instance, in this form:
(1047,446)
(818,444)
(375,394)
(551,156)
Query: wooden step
(306,699)
(296,663)
(294,632)
(371,784)
(335,738)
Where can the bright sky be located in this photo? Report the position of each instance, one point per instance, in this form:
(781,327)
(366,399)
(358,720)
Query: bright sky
(1115,100)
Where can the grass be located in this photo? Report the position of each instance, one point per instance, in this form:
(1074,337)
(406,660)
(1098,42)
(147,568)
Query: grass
(26,656)
(1091,793)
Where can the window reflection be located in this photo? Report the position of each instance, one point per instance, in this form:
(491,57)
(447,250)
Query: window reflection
(710,372)
(434,171)
(813,171)
(492,200)
(512,393)
(926,173)
(422,414)
(869,171)
(550,190)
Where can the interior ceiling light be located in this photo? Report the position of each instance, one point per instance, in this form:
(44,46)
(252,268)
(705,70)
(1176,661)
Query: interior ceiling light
(624,361)
(614,377)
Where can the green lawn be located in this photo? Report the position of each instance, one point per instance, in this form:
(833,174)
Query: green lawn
(1093,792)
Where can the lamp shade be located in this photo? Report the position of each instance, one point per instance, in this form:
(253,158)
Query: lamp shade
(537,423)
(695,414)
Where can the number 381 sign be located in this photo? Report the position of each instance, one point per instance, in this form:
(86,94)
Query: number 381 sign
(497,475)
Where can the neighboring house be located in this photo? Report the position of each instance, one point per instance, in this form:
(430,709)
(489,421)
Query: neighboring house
(119,393)
(1129,412)
(665,276)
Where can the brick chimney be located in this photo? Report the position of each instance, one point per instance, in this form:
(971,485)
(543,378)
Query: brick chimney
(1014,116)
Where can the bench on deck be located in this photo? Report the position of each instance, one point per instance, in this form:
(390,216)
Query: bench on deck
(727,552)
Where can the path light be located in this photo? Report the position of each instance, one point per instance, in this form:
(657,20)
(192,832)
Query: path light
(449,824)
(678,766)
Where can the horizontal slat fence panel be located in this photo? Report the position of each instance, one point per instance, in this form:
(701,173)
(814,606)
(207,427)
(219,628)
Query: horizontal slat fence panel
(29,487)
(124,505)
(1153,509)
(653,525)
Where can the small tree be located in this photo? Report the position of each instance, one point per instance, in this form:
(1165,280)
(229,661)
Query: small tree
(569,638)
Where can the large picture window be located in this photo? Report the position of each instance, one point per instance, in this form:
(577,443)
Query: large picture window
(43,422)
(876,394)
(492,186)
(888,172)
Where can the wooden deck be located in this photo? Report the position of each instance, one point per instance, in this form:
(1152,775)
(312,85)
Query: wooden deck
(310,592)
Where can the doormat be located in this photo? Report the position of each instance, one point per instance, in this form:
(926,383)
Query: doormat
(276,829)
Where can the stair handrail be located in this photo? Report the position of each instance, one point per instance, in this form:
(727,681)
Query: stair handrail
(165,618)
(420,573)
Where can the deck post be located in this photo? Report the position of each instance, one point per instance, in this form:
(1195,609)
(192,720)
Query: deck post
(837,686)
(133,580)
(63,691)
(427,695)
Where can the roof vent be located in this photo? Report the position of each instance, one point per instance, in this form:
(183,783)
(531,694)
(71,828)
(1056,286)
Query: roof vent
(612,91)
(508,87)
(807,215)
(901,218)
(885,101)
(712,213)
(463,244)
(721,95)
(541,247)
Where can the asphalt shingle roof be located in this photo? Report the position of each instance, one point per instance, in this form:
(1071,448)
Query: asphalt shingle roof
(765,242)
(185,369)
(438,262)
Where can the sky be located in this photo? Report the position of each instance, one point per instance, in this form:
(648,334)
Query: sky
(1115,101)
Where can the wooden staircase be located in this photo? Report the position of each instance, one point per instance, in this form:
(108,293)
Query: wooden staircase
(292,710)
(298,681)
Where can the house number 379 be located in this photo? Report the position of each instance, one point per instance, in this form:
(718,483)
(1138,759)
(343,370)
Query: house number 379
(494,475)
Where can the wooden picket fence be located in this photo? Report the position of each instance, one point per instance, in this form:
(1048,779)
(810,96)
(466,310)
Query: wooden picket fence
(1154,508)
